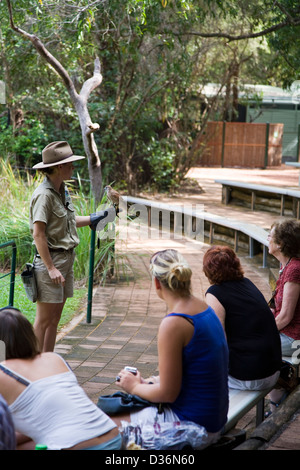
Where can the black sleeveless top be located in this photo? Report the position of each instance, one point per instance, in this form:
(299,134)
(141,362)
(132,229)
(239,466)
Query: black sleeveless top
(252,335)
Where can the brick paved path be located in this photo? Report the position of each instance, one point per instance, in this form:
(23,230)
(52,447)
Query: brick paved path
(126,313)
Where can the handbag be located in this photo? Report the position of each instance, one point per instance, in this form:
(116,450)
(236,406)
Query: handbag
(121,402)
(29,282)
(271,302)
(288,376)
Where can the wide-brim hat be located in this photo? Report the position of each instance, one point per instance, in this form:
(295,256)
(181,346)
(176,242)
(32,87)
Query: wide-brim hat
(57,153)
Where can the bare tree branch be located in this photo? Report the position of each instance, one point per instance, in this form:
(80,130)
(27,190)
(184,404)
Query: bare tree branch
(79,101)
(93,82)
(41,49)
(230,37)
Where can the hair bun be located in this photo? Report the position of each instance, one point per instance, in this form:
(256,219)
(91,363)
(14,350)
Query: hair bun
(182,272)
(171,269)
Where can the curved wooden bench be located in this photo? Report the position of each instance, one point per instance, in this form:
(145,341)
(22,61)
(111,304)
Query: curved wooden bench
(256,236)
(255,190)
(241,402)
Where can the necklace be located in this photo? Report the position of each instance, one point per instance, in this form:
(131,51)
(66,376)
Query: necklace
(282,269)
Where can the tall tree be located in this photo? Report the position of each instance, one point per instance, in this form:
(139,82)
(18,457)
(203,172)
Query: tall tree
(79,101)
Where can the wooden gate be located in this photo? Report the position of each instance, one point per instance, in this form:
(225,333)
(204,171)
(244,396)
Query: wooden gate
(240,144)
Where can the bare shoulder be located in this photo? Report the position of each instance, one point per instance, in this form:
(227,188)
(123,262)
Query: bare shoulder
(170,323)
(53,359)
(46,359)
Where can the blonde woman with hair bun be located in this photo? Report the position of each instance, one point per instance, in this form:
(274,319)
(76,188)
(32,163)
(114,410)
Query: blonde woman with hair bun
(171,269)
(192,355)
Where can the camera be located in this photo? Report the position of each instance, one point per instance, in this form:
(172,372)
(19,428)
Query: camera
(133,370)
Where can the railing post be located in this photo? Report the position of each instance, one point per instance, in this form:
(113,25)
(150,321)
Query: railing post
(13,270)
(13,274)
(267,144)
(223,143)
(91,277)
(298,143)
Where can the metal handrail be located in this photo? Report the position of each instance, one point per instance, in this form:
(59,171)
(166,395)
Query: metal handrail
(12,273)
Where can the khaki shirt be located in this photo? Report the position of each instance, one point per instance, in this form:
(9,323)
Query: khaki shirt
(56,210)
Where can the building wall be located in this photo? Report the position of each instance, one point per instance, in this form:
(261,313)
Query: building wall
(289,116)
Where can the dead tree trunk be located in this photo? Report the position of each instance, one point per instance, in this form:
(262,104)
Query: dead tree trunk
(79,101)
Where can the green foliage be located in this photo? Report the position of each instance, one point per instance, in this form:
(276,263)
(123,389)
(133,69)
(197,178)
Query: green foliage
(73,305)
(286,60)
(14,215)
(27,143)
(160,157)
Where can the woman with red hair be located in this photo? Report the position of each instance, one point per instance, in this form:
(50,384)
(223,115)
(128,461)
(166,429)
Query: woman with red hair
(250,328)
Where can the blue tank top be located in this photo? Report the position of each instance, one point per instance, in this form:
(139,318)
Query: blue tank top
(203,398)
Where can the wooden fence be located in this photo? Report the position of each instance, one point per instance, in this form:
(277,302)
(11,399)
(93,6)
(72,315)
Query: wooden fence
(240,144)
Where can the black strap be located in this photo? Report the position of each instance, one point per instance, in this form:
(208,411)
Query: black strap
(182,315)
(14,376)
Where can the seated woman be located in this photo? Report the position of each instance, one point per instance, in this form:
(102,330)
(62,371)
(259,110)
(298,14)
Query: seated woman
(192,355)
(46,403)
(252,336)
(284,245)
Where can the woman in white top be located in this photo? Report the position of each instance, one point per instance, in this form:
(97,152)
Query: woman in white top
(46,402)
